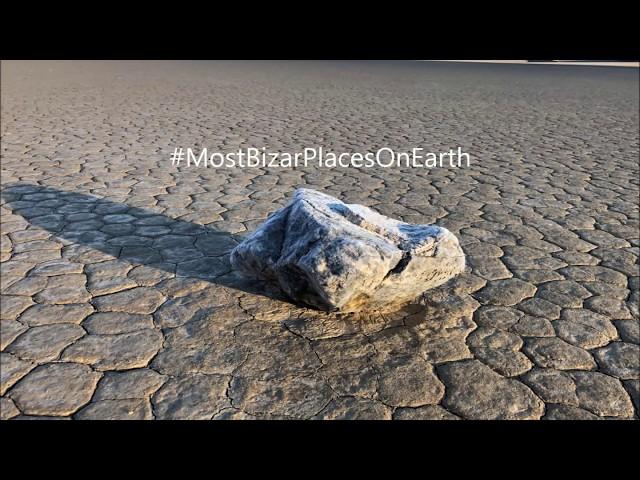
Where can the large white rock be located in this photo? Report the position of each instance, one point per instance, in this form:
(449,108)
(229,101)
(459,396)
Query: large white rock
(335,256)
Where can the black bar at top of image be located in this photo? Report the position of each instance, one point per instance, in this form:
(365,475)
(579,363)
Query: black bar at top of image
(399,31)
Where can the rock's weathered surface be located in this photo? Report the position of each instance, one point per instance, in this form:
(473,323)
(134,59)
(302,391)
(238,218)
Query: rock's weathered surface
(336,256)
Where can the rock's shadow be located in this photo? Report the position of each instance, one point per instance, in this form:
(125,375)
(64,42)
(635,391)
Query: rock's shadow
(135,235)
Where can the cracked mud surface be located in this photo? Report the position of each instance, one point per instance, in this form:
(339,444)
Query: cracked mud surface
(118,300)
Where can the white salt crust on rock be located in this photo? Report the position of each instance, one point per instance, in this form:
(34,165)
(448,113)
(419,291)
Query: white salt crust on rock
(345,257)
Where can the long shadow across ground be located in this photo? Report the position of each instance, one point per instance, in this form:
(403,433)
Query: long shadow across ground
(135,235)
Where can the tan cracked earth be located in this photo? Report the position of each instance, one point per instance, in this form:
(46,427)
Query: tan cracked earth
(118,300)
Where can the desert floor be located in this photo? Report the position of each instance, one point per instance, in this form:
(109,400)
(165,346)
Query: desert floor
(118,300)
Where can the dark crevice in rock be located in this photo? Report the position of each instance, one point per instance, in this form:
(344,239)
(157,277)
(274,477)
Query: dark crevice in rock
(401,265)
